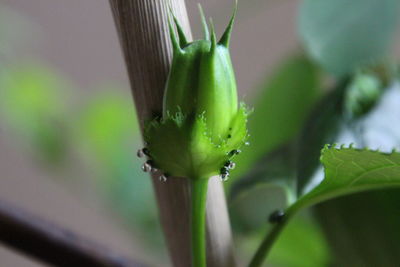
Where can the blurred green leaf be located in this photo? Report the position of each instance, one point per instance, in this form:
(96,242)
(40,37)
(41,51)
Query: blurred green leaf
(302,244)
(342,35)
(33,106)
(280,109)
(362,229)
(108,134)
(107,124)
(30,92)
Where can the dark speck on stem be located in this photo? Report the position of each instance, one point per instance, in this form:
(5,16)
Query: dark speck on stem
(277,216)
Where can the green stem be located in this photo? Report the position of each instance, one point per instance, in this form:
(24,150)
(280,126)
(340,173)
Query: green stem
(198,221)
(266,245)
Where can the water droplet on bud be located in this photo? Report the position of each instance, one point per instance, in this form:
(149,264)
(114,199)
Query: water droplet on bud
(140,153)
(163,178)
(146,167)
(230,165)
(224,177)
(247,143)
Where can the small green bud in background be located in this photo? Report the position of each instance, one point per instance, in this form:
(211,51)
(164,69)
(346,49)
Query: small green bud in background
(362,94)
(202,126)
(366,88)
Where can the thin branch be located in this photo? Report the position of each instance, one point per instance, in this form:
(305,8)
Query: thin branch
(51,244)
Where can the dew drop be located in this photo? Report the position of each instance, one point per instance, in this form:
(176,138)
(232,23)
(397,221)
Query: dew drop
(232,165)
(163,178)
(247,143)
(140,153)
(146,167)
(224,177)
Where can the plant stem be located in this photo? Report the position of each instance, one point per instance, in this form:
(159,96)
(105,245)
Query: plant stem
(198,221)
(266,245)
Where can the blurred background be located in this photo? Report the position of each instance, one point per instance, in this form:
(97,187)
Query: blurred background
(68,131)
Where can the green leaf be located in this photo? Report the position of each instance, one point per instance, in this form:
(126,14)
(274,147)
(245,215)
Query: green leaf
(281,108)
(341,35)
(349,170)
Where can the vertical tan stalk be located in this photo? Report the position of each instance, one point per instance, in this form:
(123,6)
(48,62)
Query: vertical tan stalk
(143,32)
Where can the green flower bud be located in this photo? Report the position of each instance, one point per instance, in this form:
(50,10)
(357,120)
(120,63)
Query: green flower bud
(202,125)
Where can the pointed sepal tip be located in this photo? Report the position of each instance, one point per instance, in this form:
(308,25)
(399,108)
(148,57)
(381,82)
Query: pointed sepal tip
(225,38)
